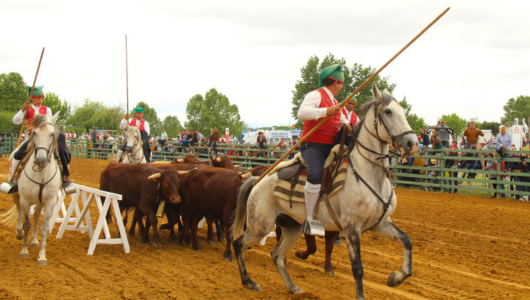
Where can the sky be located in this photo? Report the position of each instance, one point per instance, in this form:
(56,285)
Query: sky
(471,62)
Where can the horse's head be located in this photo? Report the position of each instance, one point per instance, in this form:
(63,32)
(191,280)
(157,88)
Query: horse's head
(390,122)
(133,137)
(44,133)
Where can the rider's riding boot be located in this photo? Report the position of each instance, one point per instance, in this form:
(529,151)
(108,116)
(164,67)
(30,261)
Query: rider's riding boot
(69,186)
(8,187)
(310,226)
(120,154)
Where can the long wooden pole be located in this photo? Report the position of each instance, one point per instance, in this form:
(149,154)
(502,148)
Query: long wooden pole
(349,97)
(127,75)
(29,100)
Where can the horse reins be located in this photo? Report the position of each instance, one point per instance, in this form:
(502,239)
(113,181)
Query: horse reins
(129,155)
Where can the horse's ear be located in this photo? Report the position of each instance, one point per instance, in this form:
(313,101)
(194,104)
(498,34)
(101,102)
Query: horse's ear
(54,118)
(377,93)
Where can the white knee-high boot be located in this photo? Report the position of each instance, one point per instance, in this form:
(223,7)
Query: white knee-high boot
(14,165)
(311,193)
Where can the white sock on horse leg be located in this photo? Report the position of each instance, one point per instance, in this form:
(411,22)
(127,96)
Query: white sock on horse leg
(311,193)
(120,153)
(14,165)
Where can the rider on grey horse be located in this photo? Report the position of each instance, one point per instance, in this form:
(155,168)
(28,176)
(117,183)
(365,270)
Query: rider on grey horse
(316,148)
(29,110)
(144,131)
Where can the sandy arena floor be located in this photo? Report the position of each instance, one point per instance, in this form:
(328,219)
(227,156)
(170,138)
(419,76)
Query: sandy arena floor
(464,247)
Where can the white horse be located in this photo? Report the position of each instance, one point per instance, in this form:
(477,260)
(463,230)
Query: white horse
(38,185)
(134,152)
(365,203)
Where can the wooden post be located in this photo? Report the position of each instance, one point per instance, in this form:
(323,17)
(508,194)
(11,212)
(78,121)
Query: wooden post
(127,75)
(29,100)
(349,97)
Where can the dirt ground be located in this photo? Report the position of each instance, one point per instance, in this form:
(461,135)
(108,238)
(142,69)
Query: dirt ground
(464,247)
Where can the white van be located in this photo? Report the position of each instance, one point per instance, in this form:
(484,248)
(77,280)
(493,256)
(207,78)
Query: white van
(273,137)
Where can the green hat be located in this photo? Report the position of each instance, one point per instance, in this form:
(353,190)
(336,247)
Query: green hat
(139,110)
(333,72)
(37,91)
(354,98)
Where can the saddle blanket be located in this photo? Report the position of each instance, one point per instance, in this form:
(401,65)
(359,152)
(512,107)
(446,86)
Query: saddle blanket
(286,191)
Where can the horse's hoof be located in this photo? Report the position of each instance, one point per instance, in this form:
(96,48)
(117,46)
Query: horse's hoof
(210,242)
(337,242)
(35,245)
(198,249)
(330,272)
(228,259)
(43,262)
(392,281)
(157,245)
(302,254)
(253,286)
(24,254)
(19,235)
(222,240)
(296,290)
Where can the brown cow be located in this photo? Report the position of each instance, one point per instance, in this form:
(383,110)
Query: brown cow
(140,186)
(190,159)
(210,191)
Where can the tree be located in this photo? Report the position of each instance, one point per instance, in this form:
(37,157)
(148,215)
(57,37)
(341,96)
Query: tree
(94,114)
(13,92)
(353,78)
(6,122)
(415,122)
(150,116)
(493,126)
(52,101)
(456,123)
(214,110)
(172,126)
(516,108)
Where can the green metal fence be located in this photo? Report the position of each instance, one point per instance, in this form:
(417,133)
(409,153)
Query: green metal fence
(448,173)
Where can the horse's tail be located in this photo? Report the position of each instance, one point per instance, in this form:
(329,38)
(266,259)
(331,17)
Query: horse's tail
(9,217)
(241,211)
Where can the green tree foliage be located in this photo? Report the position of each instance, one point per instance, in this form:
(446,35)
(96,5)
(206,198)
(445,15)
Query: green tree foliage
(516,108)
(456,123)
(493,126)
(52,101)
(6,122)
(13,92)
(150,116)
(94,114)
(172,126)
(353,78)
(213,110)
(415,122)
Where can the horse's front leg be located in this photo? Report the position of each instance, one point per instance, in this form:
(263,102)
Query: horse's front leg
(353,239)
(36,216)
(16,201)
(48,210)
(389,229)
(331,236)
(27,225)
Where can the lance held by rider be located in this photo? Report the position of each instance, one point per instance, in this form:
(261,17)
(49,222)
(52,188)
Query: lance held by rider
(28,111)
(316,148)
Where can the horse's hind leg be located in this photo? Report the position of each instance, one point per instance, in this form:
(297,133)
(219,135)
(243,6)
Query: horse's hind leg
(48,210)
(311,247)
(353,239)
(36,216)
(16,201)
(389,229)
(27,226)
(290,234)
(331,236)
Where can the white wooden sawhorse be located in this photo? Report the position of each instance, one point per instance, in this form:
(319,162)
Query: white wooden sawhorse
(88,195)
(60,207)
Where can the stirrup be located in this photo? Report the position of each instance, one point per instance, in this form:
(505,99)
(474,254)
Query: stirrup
(313,227)
(8,188)
(69,187)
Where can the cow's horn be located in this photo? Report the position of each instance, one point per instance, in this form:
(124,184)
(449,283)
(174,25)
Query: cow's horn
(218,159)
(184,172)
(180,160)
(245,176)
(154,176)
(239,166)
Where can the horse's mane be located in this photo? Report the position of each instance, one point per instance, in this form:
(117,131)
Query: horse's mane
(39,121)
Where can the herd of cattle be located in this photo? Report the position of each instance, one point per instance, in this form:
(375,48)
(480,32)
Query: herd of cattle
(192,190)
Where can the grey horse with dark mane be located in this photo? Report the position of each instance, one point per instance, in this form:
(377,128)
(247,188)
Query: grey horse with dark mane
(365,203)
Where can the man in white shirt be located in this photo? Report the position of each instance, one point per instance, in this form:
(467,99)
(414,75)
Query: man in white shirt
(29,111)
(316,148)
(144,131)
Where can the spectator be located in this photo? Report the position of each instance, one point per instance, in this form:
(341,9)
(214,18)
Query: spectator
(504,141)
(449,163)
(473,164)
(436,144)
(492,166)
(443,134)
(472,133)
(163,140)
(519,167)
(423,139)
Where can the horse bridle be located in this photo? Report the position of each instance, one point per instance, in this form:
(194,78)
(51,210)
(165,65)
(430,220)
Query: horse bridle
(377,116)
(129,155)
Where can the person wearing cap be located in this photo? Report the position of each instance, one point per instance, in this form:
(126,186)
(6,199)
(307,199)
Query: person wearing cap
(443,134)
(504,140)
(144,131)
(316,148)
(472,133)
(29,111)
(348,112)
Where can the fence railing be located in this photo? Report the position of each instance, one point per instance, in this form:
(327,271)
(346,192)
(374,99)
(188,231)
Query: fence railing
(465,170)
